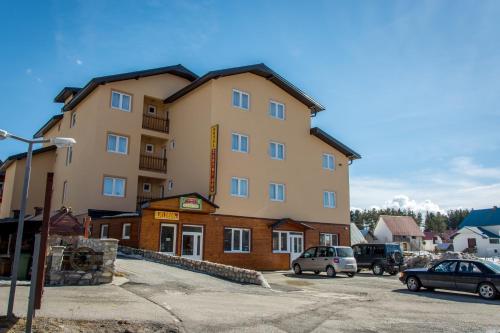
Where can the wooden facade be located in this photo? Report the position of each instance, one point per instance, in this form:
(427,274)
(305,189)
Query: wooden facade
(146,230)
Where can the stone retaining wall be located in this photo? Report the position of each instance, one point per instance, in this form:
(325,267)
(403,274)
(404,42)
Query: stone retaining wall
(103,274)
(232,273)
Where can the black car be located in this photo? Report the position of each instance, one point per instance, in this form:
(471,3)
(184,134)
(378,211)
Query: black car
(380,258)
(474,276)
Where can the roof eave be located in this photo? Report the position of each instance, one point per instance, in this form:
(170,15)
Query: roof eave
(331,141)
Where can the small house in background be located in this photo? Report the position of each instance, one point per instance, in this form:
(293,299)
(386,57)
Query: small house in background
(431,241)
(356,235)
(399,229)
(479,233)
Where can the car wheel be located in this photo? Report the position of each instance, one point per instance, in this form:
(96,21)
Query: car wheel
(378,269)
(487,291)
(317,272)
(413,283)
(330,271)
(350,275)
(296,269)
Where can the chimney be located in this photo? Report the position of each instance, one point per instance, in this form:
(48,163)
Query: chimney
(38,210)
(16,213)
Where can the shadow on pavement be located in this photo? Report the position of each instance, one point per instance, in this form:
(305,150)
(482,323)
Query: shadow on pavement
(449,296)
(312,276)
(6,325)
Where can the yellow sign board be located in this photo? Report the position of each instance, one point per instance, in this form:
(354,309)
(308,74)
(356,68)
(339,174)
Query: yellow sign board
(214,142)
(161,215)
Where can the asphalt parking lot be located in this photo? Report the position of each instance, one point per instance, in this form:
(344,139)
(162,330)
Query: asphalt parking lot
(191,302)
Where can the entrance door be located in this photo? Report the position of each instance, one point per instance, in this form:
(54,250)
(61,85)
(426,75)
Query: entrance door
(192,242)
(168,234)
(296,245)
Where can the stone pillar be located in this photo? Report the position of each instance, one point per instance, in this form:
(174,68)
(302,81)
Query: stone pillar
(56,253)
(110,248)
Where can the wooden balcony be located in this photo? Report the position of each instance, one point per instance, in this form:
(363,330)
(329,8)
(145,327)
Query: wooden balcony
(153,163)
(155,123)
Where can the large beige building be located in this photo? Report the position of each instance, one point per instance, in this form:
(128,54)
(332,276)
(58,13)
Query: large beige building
(240,137)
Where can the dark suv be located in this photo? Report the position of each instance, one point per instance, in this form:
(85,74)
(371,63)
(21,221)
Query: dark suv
(379,258)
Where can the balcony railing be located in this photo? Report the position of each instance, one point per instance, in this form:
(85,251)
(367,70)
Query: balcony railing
(144,198)
(155,123)
(152,163)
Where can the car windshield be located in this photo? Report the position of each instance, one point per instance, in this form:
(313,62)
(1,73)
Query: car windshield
(393,248)
(493,266)
(344,252)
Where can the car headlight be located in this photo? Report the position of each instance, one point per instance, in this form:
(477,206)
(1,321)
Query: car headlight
(401,274)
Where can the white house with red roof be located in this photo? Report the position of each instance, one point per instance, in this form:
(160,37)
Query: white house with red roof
(399,229)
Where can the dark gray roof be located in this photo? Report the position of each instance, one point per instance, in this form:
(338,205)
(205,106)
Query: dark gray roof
(177,70)
(47,126)
(21,156)
(330,140)
(65,93)
(258,69)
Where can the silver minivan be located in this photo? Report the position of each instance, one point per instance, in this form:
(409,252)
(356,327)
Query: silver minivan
(329,259)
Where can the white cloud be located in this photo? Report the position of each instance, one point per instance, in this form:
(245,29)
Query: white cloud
(461,183)
(79,62)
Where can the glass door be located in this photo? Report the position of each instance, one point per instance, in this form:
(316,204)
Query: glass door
(192,242)
(168,234)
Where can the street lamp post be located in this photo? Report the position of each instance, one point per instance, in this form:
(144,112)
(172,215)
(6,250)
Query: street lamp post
(60,143)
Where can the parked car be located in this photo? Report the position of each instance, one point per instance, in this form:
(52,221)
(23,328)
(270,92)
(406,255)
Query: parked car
(329,259)
(380,258)
(474,276)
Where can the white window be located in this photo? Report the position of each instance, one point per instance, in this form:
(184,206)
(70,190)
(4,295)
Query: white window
(277,151)
(73,120)
(120,101)
(494,241)
(241,99)
(277,192)
(277,110)
(328,199)
(237,240)
(328,162)
(69,155)
(328,239)
(64,192)
(172,144)
(151,109)
(239,143)
(117,144)
(114,187)
(126,231)
(146,187)
(280,241)
(150,148)
(170,185)
(104,230)
(239,187)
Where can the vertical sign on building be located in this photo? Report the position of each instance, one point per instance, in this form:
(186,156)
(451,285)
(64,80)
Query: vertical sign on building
(214,142)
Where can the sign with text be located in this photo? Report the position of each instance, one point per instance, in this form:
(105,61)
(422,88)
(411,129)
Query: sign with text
(162,215)
(214,143)
(190,203)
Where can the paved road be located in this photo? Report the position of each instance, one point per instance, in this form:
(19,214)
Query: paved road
(307,303)
(195,302)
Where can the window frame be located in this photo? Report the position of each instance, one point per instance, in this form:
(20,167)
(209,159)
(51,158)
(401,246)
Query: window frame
(276,116)
(120,101)
(239,179)
(101,231)
(113,186)
(241,93)
(334,199)
(276,185)
(152,148)
(117,144)
(154,107)
(239,150)
(69,155)
(277,145)
(280,232)
(494,241)
(330,234)
(129,225)
(72,120)
(240,230)
(64,196)
(328,156)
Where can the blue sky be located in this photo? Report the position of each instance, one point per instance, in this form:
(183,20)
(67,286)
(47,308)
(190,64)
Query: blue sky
(413,86)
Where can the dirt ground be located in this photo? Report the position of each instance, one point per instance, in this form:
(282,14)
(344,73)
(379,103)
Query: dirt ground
(54,325)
